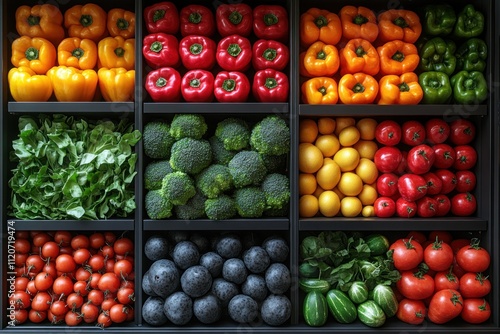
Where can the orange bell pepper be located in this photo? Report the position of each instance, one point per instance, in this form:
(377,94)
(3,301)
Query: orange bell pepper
(36,53)
(302,68)
(121,22)
(117,84)
(40,21)
(320,90)
(87,21)
(398,57)
(403,89)
(358,88)
(359,55)
(359,22)
(319,25)
(73,85)
(27,86)
(116,52)
(321,59)
(399,24)
(76,52)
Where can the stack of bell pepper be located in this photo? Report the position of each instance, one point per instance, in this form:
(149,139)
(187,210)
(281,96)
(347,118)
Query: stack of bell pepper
(70,55)
(199,68)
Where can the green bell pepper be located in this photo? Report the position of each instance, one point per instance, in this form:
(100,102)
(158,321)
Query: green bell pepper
(471,55)
(439,20)
(469,87)
(436,87)
(470,23)
(438,55)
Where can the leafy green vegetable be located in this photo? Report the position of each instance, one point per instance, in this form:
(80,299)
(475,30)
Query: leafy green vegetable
(69,168)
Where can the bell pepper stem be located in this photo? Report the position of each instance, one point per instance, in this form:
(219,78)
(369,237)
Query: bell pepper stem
(235,17)
(359,19)
(322,90)
(156,46)
(271,83)
(161,82)
(321,21)
(321,55)
(33,20)
(436,58)
(31,53)
(403,87)
(196,48)
(400,22)
(269,54)
(360,52)
(358,88)
(195,18)
(470,84)
(234,49)
(398,56)
(229,85)
(195,83)
(270,19)
(158,14)
(122,24)
(119,51)
(78,53)
(86,20)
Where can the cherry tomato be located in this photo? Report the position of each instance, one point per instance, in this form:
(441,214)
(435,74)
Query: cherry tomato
(437,131)
(411,311)
(59,308)
(444,156)
(466,157)
(43,281)
(387,159)
(412,187)
(463,204)
(118,313)
(31,288)
(80,241)
(123,246)
(109,282)
(108,251)
(96,297)
(66,250)
(34,264)
(125,295)
(448,178)
(50,250)
(420,159)
(474,285)
(74,301)
(73,318)
(426,207)
(97,240)
(415,285)
(473,258)
(65,263)
(41,301)
(41,239)
(438,255)
(462,132)
(81,288)
(130,313)
(123,268)
(20,259)
(103,320)
(466,181)
(63,238)
(94,280)
(446,280)
(63,285)
(20,300)
(22,246)
(20,316)
(387,184)
(388,133)
(89,313)
(445,305)
(413,133)
(476,310)
(21,283)
(109,266)
(82,274)
(22,235)
(443,205)
(108,303)
(407,254)
(37,316)
(405,209)
(81,255)
(96,262)
(434,183)
(110,237)
(54,319)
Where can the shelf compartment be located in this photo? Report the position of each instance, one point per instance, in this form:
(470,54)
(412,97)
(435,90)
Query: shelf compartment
(226,108)
(71,107)
(275,224)
(72,225)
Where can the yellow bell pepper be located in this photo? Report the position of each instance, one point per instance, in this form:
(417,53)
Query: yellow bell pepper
(36,53)
(117,84)
(322,59)
(71,84)
(121,22)
(40,21)
(320,90)
(27,86)
(116,52)
(76,52)
(87,21)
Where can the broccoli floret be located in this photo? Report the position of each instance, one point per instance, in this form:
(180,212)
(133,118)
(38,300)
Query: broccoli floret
(193,209)
(283,212)
(214,180)
(178,188)
(222,207)
(271,136)
(247,168)
(221,156)
(157,140)
(190,155)
(250,202)
(276,188)
(234,133)
(155,172)
(157,206)
(188,125)
(275,163)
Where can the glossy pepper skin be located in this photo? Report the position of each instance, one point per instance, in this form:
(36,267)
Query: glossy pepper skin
(359,55)
(469,87)
(472,55)
(270,54)
(320,90)
(198,86)
(435,86)
(302,67)
(76,52)
(164,85)
(234,53)
(161,50)
(121,22)
(197,52)
(44,21)
(271,22)
(319,25)
(117,84)
(322,59)
(86,21)
(234,19)
(27,86)
(399,24)
(438,55)
(470,23)
(71,84)
(162,17)
(270,86)
(398,57)
(403,89)
(439,20)
(36,53)
(231,86)
(116,52)
(359,22)
(197,20)
(358,88)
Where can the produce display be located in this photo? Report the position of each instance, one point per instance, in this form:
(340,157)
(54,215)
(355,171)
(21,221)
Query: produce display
(207,278)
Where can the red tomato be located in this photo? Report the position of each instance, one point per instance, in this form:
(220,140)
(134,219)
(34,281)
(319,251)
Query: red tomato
(448,178)
(415,285)
(407,254)
(387,159)
(97,240)
(22,235)
(109,282)
(118,313)
(462,131)
(466,157)
(20,316)
(34,264)
(417,236)
(110,238)
(50,250)
(59,308)
(20,259)
(107,251)
(123,267)
(63,285)
(476,310)
(63,238)
(457,244)
(446,280)
(434,183)
(457,270)
(41,301)
(411,311)
(443,236)
(96,262)
(53,319)
(388,133)
(66,250)
(96,297)
(387,184)
(80,241)
(108,303)
(31,288)
(384,207)
(403,166)
(405,209)
(74,301)
(125,295)
(94,280)
(123,246)
(413,133)
(89,313)
(109,266)
(474,285)
(412,187)
(443,205)
(463,204)
(81,255)
(37,316)
(65,263)
(43,281)
(73,318)
(420,159)
(83,274)
(438,256)
(445,305)
(20,300)
(466,181)
(426,207)
(103,320)
(41,239)
(81,288)
(22,246)
(21,283)
(437,131)
(445,156)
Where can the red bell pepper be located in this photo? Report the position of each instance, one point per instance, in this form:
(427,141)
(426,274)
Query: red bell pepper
(270,54)
(197,20)
(231,87)
(270,22)
(234,19)
(198,86)
(234,53)
(162,17)
(197,52)
(270,86)
(161,50)
(164,85)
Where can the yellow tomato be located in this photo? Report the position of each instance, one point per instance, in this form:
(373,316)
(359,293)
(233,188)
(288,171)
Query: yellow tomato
(338,192)
(368,211)
(328,145)
(350,206)
(308,206)
(307,184)
(329,203)
(350,184)
(343,122)
(366,127)
(368,195)
(349,136)
(326,125)
(328,176)
(367,170)
(308,130)
(310,158)
(347,158)
(366,148)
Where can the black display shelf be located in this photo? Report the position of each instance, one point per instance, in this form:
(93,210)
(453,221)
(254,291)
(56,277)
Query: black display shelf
(71,107)
(270,224)
(72,225)
(217,108)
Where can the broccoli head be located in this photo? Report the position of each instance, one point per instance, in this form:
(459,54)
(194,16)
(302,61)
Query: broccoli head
(188,125)
(193,209)
(214,180)
(275,163)
(234,133)
(178,188)
(247,168)
(222,207)
(276,188)
(250,202)
(271,136)
(157,140)
(155,172)
(157,206)
(221,156)
(190,155)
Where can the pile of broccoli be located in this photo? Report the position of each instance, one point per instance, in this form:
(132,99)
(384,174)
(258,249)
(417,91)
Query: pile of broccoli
(227,171)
